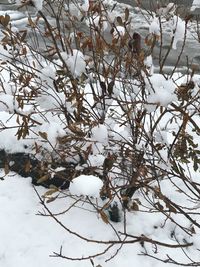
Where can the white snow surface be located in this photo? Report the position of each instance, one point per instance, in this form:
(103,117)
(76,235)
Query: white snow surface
(28,240)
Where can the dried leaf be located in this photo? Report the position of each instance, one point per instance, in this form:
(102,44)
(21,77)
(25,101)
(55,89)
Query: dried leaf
(43,179)
(27,166)
(50,192)
(31,23)
(43,135)
(112,31)
(126,14)
(104,217)
(160,207)
(171,208)
(119,20)
(110,87)
(75,129)
(6,168)
(51,199)
(24,34)
(4,20)
(37,148)
(24,51)
(134,206)
(192,229)
(17,120)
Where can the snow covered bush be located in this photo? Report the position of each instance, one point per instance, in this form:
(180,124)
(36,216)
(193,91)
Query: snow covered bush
(81,87)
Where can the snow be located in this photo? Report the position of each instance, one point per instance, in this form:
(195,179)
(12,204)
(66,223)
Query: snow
(86,185)
(38,4)
(7,103)
(176,26)
(96,160)
(75,62)
(26,237)
(100,133)
(119,31)
(195,5)
(178,30)
(28,240)
(154,26)
(163,92)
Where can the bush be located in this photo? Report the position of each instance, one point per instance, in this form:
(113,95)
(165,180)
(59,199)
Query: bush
(79,87)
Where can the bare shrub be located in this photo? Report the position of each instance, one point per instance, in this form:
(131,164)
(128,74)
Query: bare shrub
(83,90)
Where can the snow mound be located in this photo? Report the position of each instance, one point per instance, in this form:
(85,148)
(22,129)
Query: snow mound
(86,185)
(75,62)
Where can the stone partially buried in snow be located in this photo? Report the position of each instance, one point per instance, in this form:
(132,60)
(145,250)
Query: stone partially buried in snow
(86,185)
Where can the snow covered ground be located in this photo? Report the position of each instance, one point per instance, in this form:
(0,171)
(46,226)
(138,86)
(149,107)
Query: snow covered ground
(29,240)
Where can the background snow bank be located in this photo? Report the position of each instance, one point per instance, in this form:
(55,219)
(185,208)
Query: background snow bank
(195,4)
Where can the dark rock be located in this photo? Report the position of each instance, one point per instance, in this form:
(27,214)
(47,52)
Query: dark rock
(114,212)
(28,166)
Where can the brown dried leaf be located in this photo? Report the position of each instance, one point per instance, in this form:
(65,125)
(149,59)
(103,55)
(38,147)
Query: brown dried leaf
(37,148)
(50,192)
(75,129)
(43,179)
(192,229)
(104,217)
(5,20)
(43,135)
(24,51)
(23,36)
(112,31)
(134,206)
(126,14)
(119,20)
(6,168)
(171,208)
(27,166)
(51,199)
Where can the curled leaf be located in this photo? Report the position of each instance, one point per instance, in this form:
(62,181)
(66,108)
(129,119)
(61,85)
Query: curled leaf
(104,217)
(43,135)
